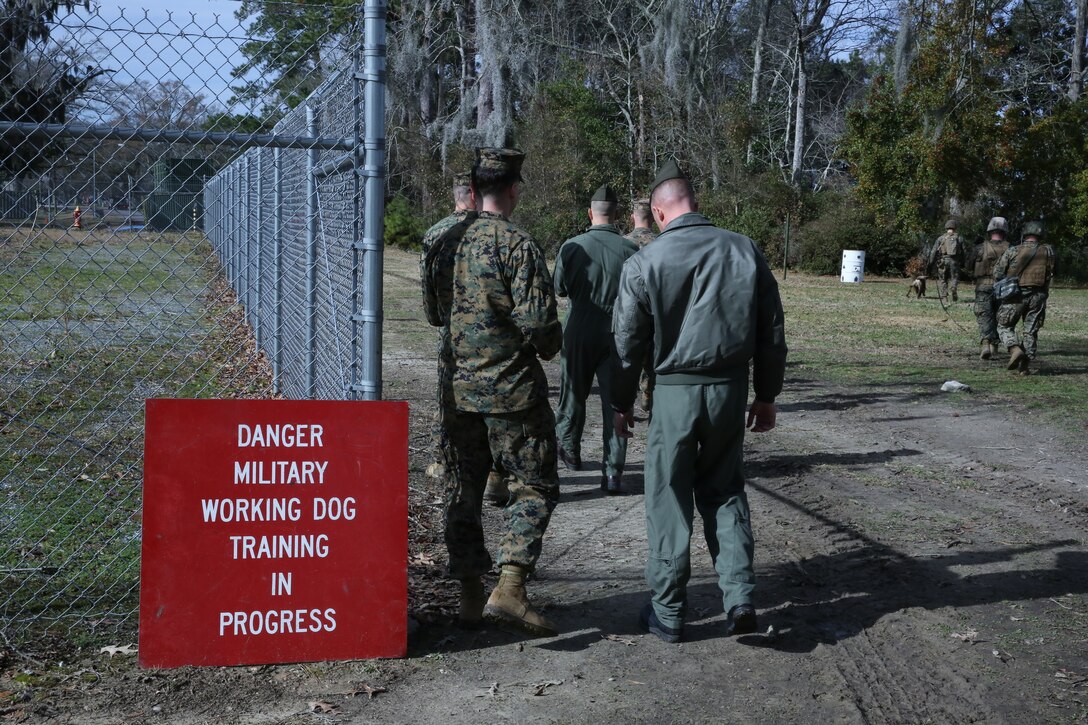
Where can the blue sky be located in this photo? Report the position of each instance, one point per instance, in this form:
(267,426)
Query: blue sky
(195,41)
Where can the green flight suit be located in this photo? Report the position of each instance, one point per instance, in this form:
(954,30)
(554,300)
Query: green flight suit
(706,302)
(587,270)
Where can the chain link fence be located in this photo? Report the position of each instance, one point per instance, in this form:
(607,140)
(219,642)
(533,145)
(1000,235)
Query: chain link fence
(171,225)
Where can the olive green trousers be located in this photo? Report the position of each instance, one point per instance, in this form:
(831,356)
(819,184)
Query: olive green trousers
(694,459)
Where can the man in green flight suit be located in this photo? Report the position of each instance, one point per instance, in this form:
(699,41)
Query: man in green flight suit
(1033,262)
(642,234)
(587,270)
(502,322)
(981,263)
(435,266)
(706,301)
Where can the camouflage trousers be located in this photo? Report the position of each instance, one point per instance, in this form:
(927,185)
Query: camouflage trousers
(1032,308)
(986,314)
(647,381)
(948,275)
(523,444)
(446,407)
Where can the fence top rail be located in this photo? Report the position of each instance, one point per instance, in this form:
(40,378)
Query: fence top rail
(151,135)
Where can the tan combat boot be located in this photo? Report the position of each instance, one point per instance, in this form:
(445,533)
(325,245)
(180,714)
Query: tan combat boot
(987,350)
(509,604)
(472,603)
(497,493)
(1016,353)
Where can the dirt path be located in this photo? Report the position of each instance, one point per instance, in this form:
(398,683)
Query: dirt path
(919,560)
(900,543)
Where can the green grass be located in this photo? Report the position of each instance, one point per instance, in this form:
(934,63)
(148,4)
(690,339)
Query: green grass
(92,325)
(869,334)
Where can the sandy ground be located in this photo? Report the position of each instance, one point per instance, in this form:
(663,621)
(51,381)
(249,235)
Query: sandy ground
(919,560)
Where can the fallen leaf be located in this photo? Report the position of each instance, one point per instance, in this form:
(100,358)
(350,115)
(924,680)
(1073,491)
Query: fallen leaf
(970,636)
(1003,656)
(629,641)
(365,689)
(424,559)
(323,707)
(112,650)
(538,689)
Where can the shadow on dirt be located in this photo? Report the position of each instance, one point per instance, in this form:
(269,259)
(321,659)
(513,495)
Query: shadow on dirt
(827,599)
(799,463)
(821,600)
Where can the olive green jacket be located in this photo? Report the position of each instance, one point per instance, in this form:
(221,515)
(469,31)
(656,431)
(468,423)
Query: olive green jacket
(587,270)
(706,301)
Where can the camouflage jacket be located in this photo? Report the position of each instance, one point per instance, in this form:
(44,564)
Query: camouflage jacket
(1032,263)
(436,270)
(503,316)
(948,245)
(981,261)
(641,236)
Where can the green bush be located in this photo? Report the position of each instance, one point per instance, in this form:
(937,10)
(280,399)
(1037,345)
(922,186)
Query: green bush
(403,227)
(848,225)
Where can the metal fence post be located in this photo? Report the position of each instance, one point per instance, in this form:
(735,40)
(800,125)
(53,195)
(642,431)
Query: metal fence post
(374,17)
(277,262)
(311,256)
(257,301)
(247,233)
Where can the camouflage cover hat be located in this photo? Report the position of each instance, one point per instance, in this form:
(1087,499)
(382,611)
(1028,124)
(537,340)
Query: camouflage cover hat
(502,160)
(605,193)
(998,224)
(1034,228)
(671,170)
(641,206)
(463,178)
(951,224)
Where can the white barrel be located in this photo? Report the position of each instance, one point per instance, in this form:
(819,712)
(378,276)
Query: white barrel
(853,266)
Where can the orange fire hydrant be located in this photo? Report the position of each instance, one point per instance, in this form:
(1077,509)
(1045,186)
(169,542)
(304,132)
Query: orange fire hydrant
(75,219)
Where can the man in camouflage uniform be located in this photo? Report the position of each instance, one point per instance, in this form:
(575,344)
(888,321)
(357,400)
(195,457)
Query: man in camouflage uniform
(1033,262)
(436,261)
(705,300)
(587,270)
(947,255)
(503,318)
(981,264)
(642,234)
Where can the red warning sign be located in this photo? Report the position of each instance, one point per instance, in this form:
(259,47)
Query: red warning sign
(273,531)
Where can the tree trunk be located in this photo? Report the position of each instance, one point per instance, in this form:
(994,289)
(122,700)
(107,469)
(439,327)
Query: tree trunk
(799,118)
(757,54)
(904,47)
(428,95)
(485,102)
(757,69)
(1076,74)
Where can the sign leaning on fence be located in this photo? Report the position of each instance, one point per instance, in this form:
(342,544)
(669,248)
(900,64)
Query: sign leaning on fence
(273,531)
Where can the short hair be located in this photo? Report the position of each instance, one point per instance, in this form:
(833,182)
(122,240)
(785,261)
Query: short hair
(491,181)
(642,213)
(604,208)
(462,195)
(671,191)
